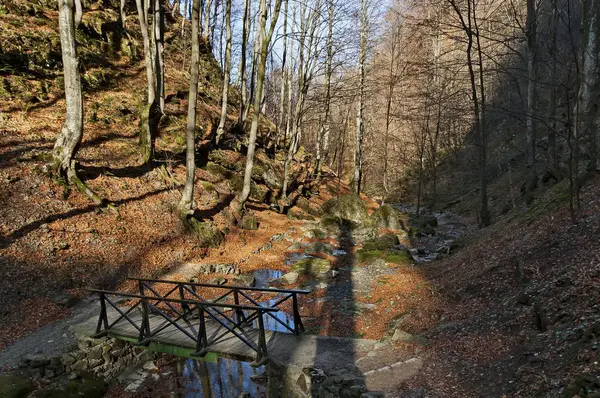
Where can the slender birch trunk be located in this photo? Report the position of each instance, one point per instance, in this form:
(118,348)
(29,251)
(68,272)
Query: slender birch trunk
(186,204)
(226,71)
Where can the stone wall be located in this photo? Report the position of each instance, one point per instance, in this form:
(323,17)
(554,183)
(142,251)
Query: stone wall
(104,358)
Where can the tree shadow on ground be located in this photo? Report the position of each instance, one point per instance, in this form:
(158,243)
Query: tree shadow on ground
(26,229)
(339,310)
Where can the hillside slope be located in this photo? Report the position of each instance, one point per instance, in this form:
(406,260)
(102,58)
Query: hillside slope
(54,241)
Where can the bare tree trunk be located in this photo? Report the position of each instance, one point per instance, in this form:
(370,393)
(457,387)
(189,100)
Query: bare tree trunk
(280,126)
(552,152)
(184,16)
(159,39)
(243,77)
(187,198)
(69,138)
(531,94)
(360,105)
(589,87)
(478,102)
(323,139)
(221,128)
(260,78)
(151,114)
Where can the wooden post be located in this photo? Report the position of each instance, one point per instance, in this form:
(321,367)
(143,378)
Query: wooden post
(202,341)
(238,312)
(261,354)
(298,326)
(103,318)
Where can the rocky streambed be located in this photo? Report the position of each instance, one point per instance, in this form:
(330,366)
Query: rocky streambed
(339,258)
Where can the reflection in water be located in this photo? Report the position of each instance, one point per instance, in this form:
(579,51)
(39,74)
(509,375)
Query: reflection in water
(264,276)
(227,378)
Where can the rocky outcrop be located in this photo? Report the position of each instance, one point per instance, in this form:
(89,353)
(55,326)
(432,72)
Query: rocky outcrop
(346,209)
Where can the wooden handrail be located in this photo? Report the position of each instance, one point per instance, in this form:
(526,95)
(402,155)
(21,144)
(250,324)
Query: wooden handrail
(257,289)
(185,301)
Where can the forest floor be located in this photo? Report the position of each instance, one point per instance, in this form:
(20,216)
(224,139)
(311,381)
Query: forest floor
(514,312)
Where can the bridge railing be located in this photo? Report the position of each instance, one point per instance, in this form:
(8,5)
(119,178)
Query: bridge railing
(189,310)
(239,295)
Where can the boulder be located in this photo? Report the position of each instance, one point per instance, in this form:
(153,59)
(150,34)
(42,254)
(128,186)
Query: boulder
(218,280)
(387,217)
(228,159)
(346,209)
(290,278)
(383,242)
(318,247)
(244,280)
(316,267)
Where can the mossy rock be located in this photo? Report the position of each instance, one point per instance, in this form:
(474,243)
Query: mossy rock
(319,247)
(206,232)
(219,172)
(228,159)
(384,242)
(387,217)
(347,208)
(15,386)
(304,204)
(316,267)
(249,222)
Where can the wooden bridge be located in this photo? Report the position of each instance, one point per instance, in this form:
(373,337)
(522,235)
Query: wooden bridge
(231,325)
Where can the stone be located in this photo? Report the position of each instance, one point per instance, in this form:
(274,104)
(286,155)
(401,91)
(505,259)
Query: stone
(345,209)
(244,280)
(218,280)
(384,242)
(214,269)
(319,247)
(316,267)
(12,386)
(92,363)
(387,217)
(290,278)
(80,365)
(65,300)
(400,335)
(95,353)
(38,361)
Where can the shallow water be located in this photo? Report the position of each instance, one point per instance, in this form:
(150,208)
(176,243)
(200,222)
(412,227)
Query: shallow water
(227,378)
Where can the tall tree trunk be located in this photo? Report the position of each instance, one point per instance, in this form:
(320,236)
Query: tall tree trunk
(552,159)
(260,78)
(360,105)
(226,71)
(478,96)
(284,55)
(187,198)
(323,139)
(587,124)
(151,114)
(69,138)
(243,77)
(159,39)
(531,94)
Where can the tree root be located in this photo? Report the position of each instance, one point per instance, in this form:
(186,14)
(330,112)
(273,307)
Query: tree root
(73,179)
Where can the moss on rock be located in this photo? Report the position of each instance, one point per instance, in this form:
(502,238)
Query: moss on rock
(384,242)
(347,208)
(387,217)
(206,232)
(316,267)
